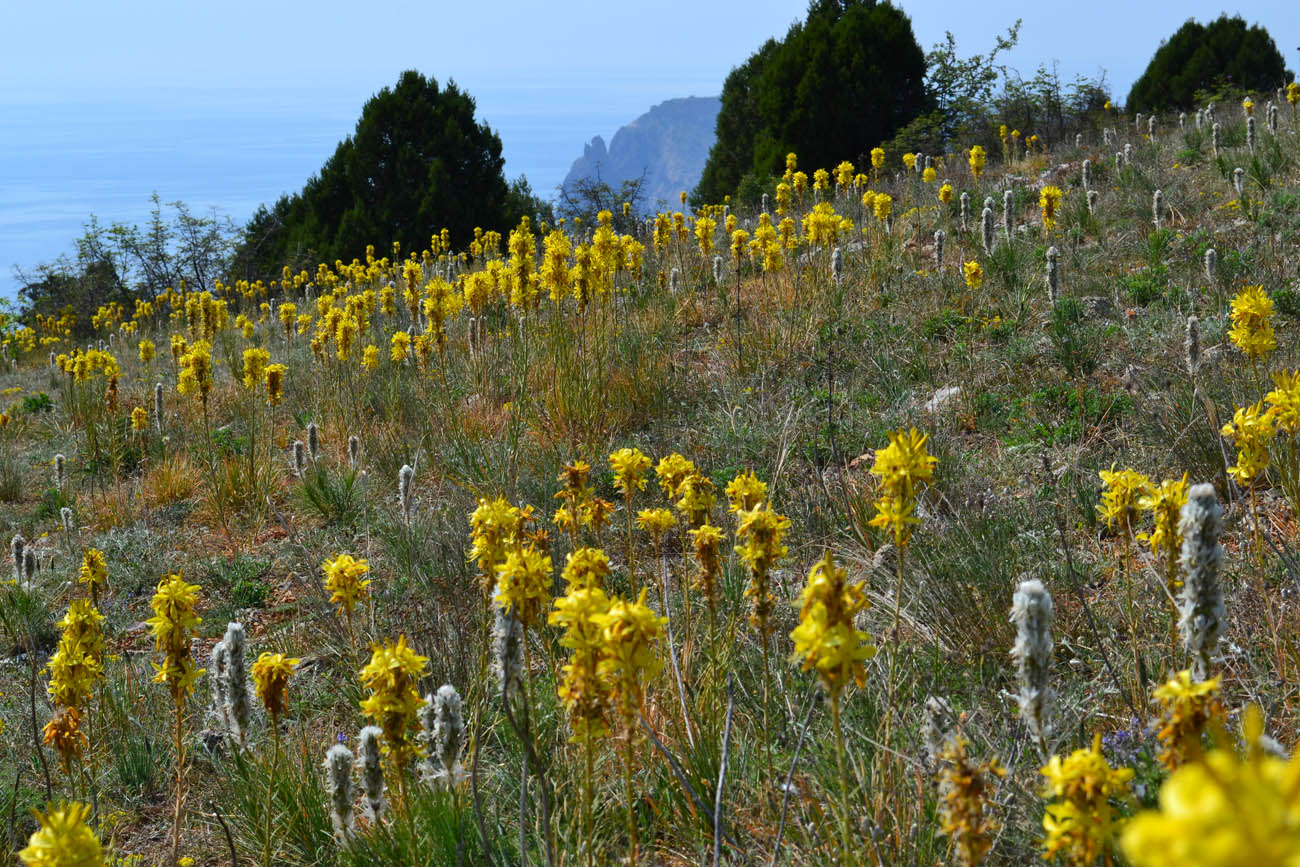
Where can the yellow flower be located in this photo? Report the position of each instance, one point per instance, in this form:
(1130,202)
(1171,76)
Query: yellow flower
(1252,325)
(738,240)
(909,160)
(882,206)
(877,157)
(929,175)
(1165,502)
(523,584)
(1081,824)
(672,470)
(1293,93)
(974,274)
(585,694)
(585,568)
(275,383)
(1223,811)
(94,569)
(966,790)
(173,626)
(826,638)
(1049,200)
(901,466)
(1120,497)
(656,522)
(139,419)
(761,545)
(147,351)
(844,174)
(628,634)
(196,370)
(707,541)
(745,491)
(945,193)
(697,498)
(977,160)
(1250,430)
(255,361)
(370,357)
(271,675)
(1284,401)
(630,466)
(1186,708)
(344,581)
(401,347)
(1249,105)
(63,732)
(63,839)
(821,179)
(391,676)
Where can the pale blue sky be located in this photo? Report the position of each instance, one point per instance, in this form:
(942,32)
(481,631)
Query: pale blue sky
(227,103)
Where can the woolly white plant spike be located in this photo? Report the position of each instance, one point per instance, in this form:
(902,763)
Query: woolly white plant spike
(60,471)
(405,476)
(443,720)
(675,280)
(766,209)
(1200,119)
(1250,133)
(17,547)
(1211,265)
(1214,139)
(837,266)
(1151,127)
(1031,612)
(53,359)
(338,771)
(1093,198)
(717,269)
(937,728)
(1200,603)
(965,211)
(1008,213)
(1128,154)
(507,653)
(1239,180)
(939,237)
(313,442)
(158,406)
(238,706)
(372,772)
(1157,207)
(1087,174)
(1182,120)
(986,230)
(220,659)
(1272,118)
(299,458)
(1078,141)
(29,565)
(1053,276)
(1192,346)
(354,452)
(67,518)
(1137,121)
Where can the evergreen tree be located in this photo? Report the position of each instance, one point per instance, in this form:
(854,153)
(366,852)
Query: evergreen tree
(1201,57)
(837,85)
(416,163)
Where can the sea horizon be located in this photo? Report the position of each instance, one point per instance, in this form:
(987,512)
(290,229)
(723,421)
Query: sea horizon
(230,150)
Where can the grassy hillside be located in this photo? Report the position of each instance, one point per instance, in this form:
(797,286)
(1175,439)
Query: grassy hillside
(507,374)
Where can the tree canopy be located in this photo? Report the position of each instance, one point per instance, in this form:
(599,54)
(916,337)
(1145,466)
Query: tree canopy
(1205,56)
(838,84)
(416,163)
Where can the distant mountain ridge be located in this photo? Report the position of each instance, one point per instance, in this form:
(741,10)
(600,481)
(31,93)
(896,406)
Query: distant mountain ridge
(670,143)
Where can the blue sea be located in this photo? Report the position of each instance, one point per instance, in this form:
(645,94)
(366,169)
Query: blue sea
(64,158)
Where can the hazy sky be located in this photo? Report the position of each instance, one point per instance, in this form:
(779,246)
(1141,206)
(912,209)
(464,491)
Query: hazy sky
(57,46)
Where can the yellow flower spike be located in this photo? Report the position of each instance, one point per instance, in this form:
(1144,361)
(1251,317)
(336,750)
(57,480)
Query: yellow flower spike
(1284,401)
(391,677)
(1187,708)
(973,273)
(1121,492)
(745,491)
(523,584)
(63,839)
(274,374)
(977,159)
(345,581)
(255,362)
(271,675)
(826,638)
(1080,824)
(94,570)
(1049,201)
(173,626)
(586,568)
(139,419)
(1252,322)
(671,471)
(630,466)
(1250,430)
